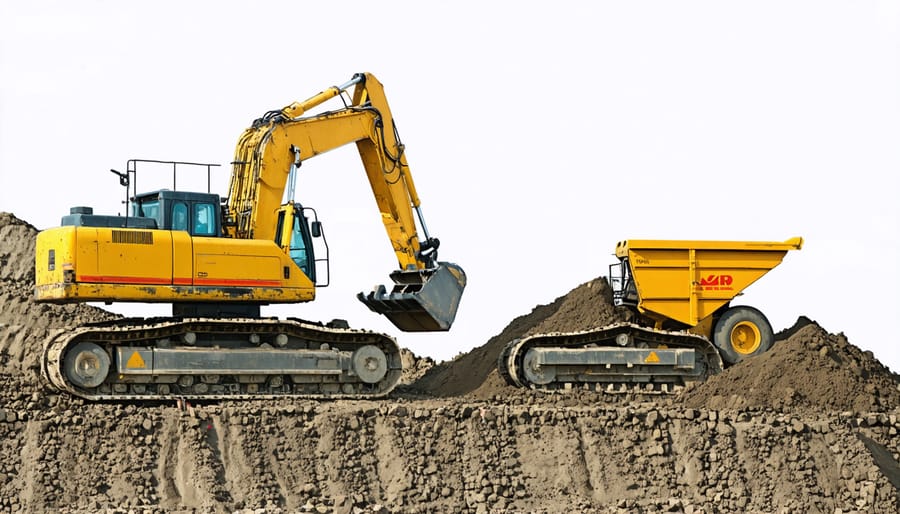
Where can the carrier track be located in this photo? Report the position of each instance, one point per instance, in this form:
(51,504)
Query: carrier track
(619,358)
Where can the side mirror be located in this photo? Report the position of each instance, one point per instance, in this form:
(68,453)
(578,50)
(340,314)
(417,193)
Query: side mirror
(316,229)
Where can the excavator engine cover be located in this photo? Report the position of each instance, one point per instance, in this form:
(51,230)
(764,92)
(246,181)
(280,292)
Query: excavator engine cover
(421,300)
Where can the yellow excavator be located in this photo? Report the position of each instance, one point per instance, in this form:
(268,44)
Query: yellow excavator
(217,260)
(681,324)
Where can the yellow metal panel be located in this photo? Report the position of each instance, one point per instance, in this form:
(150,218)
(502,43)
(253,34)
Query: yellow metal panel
(86,252)
(250,263)
(130,256)
(53,255)
(59,293)
(624,247)
(133,270)
(182,258)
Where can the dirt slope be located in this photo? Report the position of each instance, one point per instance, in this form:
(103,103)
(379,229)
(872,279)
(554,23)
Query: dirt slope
(24,323)
(750,440)
(587,306)
(811,369)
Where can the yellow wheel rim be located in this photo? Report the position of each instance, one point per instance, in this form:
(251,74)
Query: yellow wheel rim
(745,338)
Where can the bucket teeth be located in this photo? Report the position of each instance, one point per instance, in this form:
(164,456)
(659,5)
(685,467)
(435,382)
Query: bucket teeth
(422,300)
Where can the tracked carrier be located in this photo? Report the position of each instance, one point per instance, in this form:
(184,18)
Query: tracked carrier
(683,328)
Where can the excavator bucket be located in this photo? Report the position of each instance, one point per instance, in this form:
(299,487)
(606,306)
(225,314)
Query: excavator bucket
(421,300)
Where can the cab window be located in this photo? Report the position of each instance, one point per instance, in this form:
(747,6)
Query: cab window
(299,253)
(180,216)
(150,209)
(204,219)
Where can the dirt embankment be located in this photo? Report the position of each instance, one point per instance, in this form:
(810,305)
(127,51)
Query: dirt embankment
(810,426)
(23,323)
(810,370)
(585,307)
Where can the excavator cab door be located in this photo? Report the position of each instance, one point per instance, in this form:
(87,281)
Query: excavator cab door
(295,236)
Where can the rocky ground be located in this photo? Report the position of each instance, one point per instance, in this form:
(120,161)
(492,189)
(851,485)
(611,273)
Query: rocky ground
(809,427)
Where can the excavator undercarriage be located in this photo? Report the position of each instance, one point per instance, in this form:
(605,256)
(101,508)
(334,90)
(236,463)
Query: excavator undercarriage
(206,358)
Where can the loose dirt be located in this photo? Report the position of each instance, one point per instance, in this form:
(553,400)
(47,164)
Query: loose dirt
(810,426)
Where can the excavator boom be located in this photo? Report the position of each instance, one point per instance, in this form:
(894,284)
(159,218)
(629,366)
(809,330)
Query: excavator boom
(426,293)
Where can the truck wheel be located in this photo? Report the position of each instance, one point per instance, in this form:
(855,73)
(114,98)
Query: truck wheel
(742,332)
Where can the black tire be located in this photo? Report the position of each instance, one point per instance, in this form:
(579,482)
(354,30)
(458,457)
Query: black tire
(742,332)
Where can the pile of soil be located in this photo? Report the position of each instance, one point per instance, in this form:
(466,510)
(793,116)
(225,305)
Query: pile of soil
(23,323)
(725,446)
(586,307)
(810,369)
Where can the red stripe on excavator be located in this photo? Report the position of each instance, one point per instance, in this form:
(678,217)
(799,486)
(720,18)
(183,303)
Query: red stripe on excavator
(178,281)
(123,280)
(235,282)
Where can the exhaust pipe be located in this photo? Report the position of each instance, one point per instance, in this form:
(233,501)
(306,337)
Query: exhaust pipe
(421,300)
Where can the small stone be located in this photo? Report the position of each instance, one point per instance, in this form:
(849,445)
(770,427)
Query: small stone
(724,428)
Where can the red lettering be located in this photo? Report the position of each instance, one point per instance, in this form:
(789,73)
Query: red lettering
(717,280)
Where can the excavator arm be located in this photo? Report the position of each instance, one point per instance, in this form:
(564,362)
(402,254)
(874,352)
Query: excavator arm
(426,292)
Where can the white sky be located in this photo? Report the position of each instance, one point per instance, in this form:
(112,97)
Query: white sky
(539,134)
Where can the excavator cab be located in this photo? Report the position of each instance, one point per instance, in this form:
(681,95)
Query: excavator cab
(196,213)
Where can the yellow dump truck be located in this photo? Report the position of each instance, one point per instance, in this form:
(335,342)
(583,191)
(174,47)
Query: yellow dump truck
(682,327)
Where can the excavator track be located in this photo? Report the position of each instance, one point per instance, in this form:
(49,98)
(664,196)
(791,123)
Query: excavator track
(619,358)
(213,359)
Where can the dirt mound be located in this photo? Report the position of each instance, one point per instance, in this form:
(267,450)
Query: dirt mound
(24,324)
(810,369)
(587,306)
(16,248)
(414,367)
